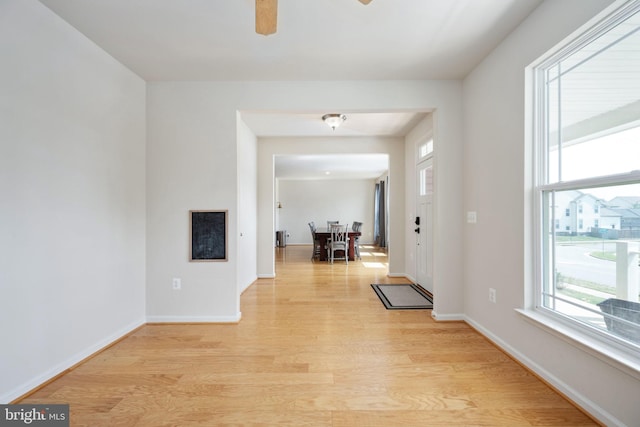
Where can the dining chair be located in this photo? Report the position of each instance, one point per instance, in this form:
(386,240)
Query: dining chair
(330,223)
(339,242)
(356,226)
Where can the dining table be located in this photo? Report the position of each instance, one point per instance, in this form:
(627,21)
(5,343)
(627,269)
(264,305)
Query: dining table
(323,234)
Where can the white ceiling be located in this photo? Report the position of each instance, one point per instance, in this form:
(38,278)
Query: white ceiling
(266,124)
(316,39)
(352,166)
(197,40)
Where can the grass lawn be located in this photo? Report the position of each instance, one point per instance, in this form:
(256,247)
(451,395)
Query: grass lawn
(607,256)
(588,298)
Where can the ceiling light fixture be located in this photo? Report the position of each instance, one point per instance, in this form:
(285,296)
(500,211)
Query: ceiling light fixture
(334,120)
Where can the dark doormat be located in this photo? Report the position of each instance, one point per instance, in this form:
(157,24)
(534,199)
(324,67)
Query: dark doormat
(403,297)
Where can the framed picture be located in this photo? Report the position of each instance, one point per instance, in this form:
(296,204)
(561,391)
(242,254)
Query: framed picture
(208,235)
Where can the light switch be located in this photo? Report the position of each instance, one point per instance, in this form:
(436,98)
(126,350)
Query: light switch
(472,217)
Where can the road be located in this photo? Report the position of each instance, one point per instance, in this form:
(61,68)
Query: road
(574,261)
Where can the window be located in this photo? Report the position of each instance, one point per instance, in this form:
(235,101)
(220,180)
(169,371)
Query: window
(422,185)
(587,142)
(425,149)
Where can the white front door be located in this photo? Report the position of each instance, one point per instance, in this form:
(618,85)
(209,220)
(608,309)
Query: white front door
(424,230)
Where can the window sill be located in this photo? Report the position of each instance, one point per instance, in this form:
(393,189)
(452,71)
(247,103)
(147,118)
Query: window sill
(624,359)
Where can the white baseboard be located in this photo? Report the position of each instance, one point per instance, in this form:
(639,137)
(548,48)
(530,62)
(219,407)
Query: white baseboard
(68,363)
(454,317)
(583,402)
(194,319)
(266,276)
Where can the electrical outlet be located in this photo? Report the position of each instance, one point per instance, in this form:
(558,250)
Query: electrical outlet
(177,284)
(492,295)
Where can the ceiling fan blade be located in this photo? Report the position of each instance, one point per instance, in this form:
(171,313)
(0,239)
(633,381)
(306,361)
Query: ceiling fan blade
(266,16)
(365,1)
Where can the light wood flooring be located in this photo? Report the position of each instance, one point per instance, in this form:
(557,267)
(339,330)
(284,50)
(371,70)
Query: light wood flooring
(315,347)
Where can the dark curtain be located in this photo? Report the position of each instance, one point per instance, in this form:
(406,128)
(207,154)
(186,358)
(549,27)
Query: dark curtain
(379,226)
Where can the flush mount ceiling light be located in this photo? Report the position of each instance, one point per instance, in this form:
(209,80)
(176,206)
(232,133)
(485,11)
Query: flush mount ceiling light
(334,120)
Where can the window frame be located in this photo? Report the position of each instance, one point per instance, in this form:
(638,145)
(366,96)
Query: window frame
(600,343)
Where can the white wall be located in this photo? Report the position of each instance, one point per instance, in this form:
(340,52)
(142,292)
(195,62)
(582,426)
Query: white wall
(497,251)
(192,153)
(322,200)
(72,185)
(247,206)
